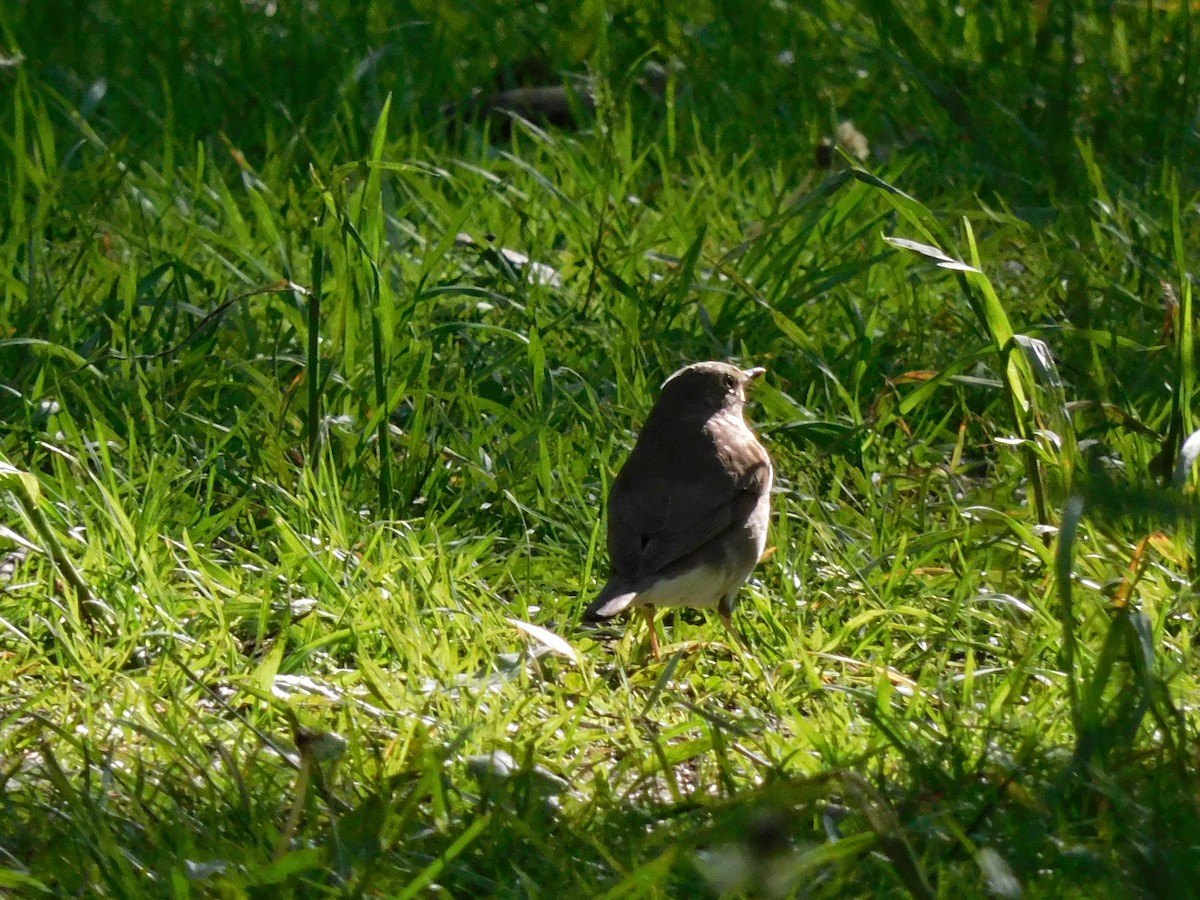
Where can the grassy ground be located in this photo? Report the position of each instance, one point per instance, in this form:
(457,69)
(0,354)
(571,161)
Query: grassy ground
(303,490)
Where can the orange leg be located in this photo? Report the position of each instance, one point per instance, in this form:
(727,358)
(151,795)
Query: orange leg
(648,612)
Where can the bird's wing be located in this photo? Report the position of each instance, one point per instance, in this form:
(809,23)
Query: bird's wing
(659,513)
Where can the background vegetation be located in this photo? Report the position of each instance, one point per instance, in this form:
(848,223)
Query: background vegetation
(313,375)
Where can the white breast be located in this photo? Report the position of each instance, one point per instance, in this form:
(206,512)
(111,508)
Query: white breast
(701,587)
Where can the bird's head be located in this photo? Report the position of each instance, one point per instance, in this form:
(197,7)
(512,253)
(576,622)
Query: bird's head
(706,388)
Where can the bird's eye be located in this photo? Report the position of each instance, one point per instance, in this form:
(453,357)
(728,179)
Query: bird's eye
(730,382)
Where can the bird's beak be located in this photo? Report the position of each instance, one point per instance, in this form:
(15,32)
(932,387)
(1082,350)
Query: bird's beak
(751,374)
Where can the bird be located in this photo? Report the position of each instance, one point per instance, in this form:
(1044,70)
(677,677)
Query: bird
(688,511)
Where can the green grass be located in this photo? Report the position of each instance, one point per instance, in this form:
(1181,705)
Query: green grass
(284,458)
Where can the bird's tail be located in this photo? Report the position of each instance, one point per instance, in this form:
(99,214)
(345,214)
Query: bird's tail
(614,599)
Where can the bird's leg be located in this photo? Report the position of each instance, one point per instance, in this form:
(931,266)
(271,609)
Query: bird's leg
(648,612)
(741,648)
(738,637)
